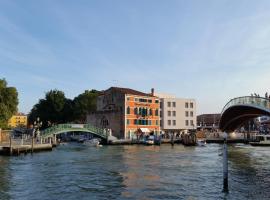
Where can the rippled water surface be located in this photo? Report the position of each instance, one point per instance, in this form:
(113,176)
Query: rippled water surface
(78,172)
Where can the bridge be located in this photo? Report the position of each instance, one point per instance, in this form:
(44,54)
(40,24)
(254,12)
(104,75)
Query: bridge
(241,109)
(233,115)
(63,128)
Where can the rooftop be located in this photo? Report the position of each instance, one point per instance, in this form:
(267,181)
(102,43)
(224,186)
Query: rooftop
(128,91)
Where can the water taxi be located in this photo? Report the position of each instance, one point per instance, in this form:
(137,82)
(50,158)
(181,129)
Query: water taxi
(261,140)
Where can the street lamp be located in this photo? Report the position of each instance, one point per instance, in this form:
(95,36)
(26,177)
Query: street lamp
(37,125)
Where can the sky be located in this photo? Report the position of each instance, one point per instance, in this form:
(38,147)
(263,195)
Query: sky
(208,50)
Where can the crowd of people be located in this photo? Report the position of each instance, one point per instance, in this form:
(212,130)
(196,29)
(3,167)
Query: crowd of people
(257,95)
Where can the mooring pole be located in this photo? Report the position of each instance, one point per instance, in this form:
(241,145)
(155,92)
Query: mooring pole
(225,164)
(172,139)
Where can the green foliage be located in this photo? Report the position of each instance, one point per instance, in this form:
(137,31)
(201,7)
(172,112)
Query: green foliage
(85,103)
(56,108)
(8,102)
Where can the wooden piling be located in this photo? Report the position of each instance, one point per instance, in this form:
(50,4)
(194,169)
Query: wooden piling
(10,144)
(225,164)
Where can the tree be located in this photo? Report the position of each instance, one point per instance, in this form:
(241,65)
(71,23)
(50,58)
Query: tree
(85,103)
(51,109)
(8,102)
(55,108)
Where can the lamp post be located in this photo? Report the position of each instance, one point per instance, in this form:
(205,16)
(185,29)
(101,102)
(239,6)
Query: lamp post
(36,132)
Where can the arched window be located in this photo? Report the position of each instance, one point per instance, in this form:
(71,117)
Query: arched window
(128,110)
(136,111)
(150,112)
(156,112)
(140,111)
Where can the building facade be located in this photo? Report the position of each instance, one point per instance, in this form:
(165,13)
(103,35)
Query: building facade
(208,121)
(17,120)
(177,115)
(128,113)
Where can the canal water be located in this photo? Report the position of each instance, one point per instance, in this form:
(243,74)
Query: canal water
(75,171)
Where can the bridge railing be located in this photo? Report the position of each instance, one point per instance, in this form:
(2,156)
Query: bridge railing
(75,127)
(248,100)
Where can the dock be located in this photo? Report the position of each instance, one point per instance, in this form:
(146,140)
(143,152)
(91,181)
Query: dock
(24,149)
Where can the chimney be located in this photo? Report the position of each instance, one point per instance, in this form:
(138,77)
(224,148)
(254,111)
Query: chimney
(152,91)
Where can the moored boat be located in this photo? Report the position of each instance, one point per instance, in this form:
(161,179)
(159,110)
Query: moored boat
(261,140)
(93,142)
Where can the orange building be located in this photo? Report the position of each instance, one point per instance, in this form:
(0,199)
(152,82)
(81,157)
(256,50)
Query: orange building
(127,112)
(142,115)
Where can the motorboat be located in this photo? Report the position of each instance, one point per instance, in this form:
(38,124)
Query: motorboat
(201,142)
(261,140)
(152,140)
(93,142)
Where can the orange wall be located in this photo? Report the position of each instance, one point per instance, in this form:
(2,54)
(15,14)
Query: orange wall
(132,104)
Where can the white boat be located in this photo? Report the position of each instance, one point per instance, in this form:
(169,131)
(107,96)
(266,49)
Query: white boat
(201,142)
(150,140)
(93,142)
(261,140)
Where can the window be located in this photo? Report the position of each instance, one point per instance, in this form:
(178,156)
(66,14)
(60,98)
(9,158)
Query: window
(135,121)
(191,105)
(169,113)
(136,99)
(174,122)
(169,122)
(186,122)
(186,105)
(128,98)
(174,104)
(174,113)
(191,123)
(156,101)
(127,121)
(160,114)
(143,100)
(128,110)
(156,112)
(169,104)
(191,113)
(156,122)
(150,112)
(186,113)
(136,111)
(149,122)
(149,100)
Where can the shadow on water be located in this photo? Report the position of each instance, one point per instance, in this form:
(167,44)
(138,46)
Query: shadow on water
(4,178)
(249,172)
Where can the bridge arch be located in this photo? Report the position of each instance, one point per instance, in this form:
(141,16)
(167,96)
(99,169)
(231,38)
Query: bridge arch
(240,109)
(63,128)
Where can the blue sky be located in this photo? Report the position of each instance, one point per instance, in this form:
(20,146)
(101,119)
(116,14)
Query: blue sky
(208,50)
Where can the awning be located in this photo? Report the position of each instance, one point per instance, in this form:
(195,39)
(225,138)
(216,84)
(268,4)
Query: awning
(144,130)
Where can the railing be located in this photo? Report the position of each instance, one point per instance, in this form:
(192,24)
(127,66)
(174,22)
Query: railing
(248,100)
(74,127)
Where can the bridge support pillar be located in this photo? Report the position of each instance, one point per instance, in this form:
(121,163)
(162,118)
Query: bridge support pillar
(225,164)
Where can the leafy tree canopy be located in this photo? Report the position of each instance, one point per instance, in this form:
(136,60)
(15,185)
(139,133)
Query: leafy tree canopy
(56,108)
(8,102)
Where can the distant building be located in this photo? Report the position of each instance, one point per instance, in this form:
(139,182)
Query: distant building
(176,114)
(128,113)
(17,120)
(208,121)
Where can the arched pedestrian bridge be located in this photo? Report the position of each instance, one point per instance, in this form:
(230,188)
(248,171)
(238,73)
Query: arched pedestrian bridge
(241,109)
(63,128)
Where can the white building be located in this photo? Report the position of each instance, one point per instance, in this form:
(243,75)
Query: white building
(177,115)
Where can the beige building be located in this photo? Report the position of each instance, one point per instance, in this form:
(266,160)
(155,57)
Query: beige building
(177,115)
